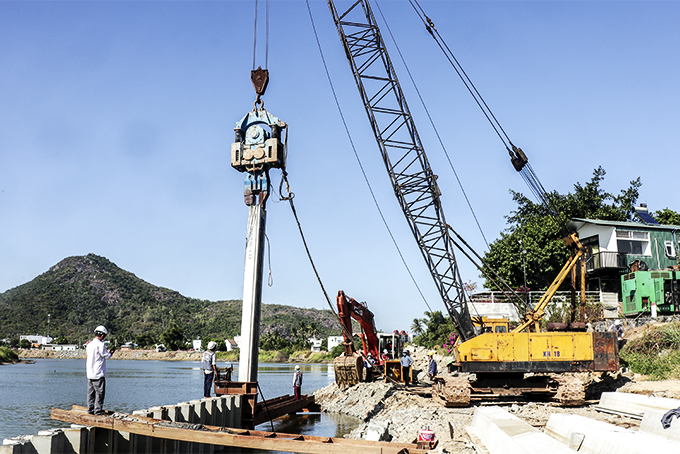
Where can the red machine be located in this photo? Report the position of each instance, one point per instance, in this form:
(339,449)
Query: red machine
(349,368)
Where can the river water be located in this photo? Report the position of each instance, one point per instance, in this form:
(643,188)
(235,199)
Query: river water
(29,391)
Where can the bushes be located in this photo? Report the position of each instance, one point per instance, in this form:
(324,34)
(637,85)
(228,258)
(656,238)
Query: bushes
(7,355)
(656,353)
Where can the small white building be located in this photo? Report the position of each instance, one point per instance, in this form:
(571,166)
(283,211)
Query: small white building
(36,339)
(316,344)
(60,347)
(231,344)
(334,341)
(196,345)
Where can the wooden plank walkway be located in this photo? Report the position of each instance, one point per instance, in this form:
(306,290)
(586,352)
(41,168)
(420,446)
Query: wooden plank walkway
(197,433)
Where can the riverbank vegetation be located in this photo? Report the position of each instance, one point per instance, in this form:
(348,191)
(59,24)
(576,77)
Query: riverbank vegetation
(7,355)
(656,352)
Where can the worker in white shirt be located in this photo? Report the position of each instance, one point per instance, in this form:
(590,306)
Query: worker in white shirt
(97,354)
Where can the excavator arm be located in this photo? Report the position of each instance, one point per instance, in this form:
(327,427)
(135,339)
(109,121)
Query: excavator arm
(349,308)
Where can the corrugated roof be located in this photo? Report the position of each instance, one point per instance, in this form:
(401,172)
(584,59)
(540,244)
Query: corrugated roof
(626,224)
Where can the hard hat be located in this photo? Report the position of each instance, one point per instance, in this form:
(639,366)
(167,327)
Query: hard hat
(369,354)
(100,330)
(617,322)
(212,345)
(385,351)
(430,354)
(297,367)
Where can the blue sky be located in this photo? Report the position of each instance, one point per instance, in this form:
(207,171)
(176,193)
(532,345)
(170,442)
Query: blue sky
(116,120)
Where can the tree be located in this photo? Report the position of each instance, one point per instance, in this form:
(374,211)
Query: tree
(173,337)
(24,343)
(438,329)
(145,340)
(273,341)
(667,217)
(417,326)
(532,227)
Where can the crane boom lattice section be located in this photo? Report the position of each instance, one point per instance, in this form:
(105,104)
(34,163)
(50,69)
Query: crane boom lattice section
(414,183)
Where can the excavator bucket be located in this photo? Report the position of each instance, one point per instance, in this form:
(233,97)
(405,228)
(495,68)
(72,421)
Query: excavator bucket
(349,370)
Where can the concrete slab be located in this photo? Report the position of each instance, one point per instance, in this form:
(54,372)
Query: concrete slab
(651,424)
(590,436)
(634,405)
(48,441)
(503,433)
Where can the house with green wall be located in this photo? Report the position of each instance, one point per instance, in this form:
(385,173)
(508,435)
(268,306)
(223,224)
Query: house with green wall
(613,246)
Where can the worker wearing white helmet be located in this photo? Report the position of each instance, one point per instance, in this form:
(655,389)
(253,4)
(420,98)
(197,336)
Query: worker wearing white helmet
(209,368)
(97,354)
(297,382)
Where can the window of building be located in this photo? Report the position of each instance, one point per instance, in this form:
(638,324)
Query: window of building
(632,242)
(670,249)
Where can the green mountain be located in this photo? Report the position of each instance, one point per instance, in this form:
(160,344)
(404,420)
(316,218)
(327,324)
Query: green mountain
(85,291)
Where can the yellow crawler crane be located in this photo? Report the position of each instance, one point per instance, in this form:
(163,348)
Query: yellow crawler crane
(511,364)
(500,359)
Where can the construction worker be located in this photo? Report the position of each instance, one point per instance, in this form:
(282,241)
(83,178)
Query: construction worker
(97,354)
(297,382)
(209,368)
(431,366)
(406,362)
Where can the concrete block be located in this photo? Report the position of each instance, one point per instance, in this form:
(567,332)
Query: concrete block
(503,433)
(173,412)
(589,436)
(198,411)
(651,424)
(376,431)
(75,439)
(634,405)
(159,413)
(186,412)
(48,441)
(16,445)
(210,411)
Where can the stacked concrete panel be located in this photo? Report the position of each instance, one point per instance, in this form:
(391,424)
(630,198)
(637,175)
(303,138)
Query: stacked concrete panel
(503,433)
(597,437)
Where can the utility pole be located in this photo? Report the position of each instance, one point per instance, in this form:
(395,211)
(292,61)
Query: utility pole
(48,325)
(258,147)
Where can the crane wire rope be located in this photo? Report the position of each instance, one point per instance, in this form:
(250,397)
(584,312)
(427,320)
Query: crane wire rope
(434,127)
(356,155)
(266,46)
(482,266)
(526,172)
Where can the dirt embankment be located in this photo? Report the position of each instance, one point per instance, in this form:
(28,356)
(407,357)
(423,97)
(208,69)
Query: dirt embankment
(394,413)
(131,354)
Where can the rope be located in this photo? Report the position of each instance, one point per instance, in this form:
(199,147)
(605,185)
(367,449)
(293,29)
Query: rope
(255,36)
(266,44)
(436,131)
(289,199)
(356,154)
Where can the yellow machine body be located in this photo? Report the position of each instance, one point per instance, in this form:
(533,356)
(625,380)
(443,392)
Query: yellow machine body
(538,352)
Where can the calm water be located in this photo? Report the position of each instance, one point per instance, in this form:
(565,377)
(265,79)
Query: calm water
(29,391)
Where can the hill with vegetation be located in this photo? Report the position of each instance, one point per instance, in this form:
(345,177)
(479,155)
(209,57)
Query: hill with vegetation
(82,292)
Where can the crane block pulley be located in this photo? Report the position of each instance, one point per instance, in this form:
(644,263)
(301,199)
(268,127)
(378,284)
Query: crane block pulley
(258,147)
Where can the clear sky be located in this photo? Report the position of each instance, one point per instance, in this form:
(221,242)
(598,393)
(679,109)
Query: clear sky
(116,120)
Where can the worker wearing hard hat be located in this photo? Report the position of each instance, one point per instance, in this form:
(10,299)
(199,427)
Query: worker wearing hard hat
(97,354)
(297,382)
(406,362)
(431,366)
(209,368)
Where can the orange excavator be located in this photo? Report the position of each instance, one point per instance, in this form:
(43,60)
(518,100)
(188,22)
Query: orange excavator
(349,367)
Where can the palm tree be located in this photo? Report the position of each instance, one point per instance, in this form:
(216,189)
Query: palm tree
(417,326)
